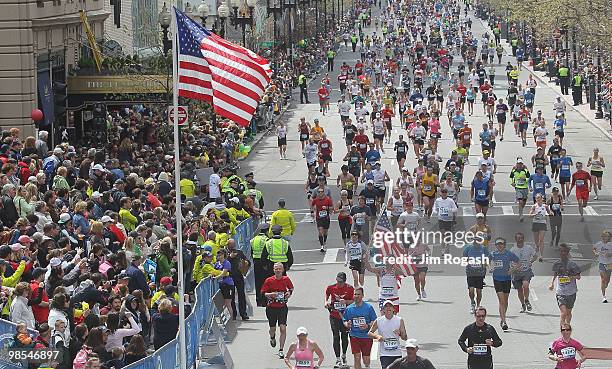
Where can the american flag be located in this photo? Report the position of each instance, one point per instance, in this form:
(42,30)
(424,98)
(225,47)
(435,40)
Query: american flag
(393,249)
(230,77)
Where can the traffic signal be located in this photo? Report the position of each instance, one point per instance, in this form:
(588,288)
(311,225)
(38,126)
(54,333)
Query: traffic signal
(60,94)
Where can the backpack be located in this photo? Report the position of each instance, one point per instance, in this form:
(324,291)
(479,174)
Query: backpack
(49,167)
(80,361)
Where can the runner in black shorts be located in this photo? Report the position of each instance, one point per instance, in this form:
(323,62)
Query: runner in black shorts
(277,290)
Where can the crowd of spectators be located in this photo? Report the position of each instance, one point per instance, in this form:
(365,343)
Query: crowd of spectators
(88,243)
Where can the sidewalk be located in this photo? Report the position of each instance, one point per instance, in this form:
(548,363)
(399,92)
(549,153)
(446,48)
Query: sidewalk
(589,115)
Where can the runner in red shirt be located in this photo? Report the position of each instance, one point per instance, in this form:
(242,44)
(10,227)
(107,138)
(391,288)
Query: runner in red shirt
(359,68)
(277,290)
(361,140)
(387,113)
(582,180)
(325,149)
(462,90)
(323,97)
(337,297)
(322,206)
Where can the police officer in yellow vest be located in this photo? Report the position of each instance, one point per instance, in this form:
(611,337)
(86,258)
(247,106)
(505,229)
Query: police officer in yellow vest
(331,54)
(258,244)
(564,79)
(303,83)
(577,88)
(277,250)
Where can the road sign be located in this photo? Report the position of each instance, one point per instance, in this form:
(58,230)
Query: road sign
(183,114)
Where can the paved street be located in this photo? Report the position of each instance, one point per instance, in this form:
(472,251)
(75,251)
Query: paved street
(438,321)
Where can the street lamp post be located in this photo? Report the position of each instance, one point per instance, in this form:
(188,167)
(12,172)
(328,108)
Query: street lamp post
(574,62)
(223,12)
(164,22)
(274,7)
(325,17)
(304,4)
(316,8)
(599,113)
(203,13)
(243,16)
(290,5)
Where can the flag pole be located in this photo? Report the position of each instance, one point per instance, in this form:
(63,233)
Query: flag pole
(178,213)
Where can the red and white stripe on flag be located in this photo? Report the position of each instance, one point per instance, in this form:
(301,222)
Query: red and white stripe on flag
(230,77)
(393,249)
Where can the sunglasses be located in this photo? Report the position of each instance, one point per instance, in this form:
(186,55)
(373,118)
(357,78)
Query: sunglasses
(481,316)
(565,330)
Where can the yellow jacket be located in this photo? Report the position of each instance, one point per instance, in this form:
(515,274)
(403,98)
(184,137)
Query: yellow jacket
(128,220)
(285,219)
(202,270)
(221,240)
(12,282)
(235,213)
(159,294)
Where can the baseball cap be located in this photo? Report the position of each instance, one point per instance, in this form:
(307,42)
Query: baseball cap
(96,195)
(25,239)
(64,218)
(106,219)
(235,199)
(519,160)
(165,280)
(98,167)
(480,215)
(301,330)
(17,247)
(370,181)
(485,152)
(387,302)
(342,276)
(412,343)
(55,262)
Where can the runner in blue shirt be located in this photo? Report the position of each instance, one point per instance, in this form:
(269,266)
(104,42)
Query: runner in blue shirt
(559,125)
(538,183)
(565,173)
(372,155)
(503,264)
(529,99)
(476,272)
(358,318)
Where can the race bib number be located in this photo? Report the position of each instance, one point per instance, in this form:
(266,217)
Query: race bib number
(303,364)
(340,306)
(564,280)
(427,188)
(539,186)
(363,146)
(568,353)
(525,265)
(556,206)
(480,349)
(481,193)
(466,137)
(280,296)
(369,201)
(304,136)
(360,221)
(386,291)
(609,266)
(359,321)
(354,159)
(400,149)
(498,264)
(580,182)
(323,214)
(444,212)
(391,344)
(324,146)
(355,252)
(521,181)
(565,167)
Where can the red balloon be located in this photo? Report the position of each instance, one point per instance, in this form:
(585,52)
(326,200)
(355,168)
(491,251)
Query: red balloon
(37,115)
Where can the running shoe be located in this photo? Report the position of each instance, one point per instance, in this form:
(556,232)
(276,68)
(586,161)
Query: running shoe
(523,309)
(281,355)
(528,305)
(604,300)
(273,341)
(322,248)
(472,308)
(595,197)
(344,360)
(338,364)
(424,294)
(504,326)
(418,298)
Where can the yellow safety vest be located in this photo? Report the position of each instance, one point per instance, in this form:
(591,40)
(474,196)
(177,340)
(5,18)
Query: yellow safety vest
(257,245)
(277,250)
(577,80)
(563,72)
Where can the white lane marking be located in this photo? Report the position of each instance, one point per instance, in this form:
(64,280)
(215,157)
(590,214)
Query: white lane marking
(590,211)
(532,294)
(319,263)
(374,351)
(574,247)
(307,218)
(331,255)
(319,250)
(468,211)
(508,210)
